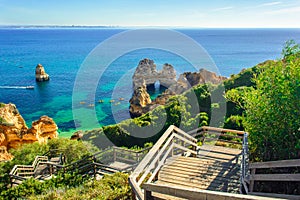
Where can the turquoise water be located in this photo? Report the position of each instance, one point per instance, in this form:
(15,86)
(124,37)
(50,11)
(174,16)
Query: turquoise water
(62,51)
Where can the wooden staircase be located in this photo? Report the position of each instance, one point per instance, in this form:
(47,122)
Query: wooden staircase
(177,168)
(108,161)
(215,170)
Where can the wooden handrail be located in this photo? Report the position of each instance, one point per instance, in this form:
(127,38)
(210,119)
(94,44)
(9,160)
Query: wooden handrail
(275,164)
(273,177)
(152,162)
(156,157)
(85,164)
(15,170)
(222,130)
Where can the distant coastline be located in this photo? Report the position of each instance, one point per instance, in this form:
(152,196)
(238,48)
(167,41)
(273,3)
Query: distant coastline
(137,27)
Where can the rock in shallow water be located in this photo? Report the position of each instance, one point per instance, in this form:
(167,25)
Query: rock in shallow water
(40,74)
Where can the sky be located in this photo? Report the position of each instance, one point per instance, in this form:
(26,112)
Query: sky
(170,13)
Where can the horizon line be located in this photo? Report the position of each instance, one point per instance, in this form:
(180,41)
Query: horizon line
(136,26)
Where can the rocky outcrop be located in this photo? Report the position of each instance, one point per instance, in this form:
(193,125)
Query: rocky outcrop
(190,79)
(43,129)
(77,135)
(14,132)
(203,76)
(147,73)
(139,101)
(40,74)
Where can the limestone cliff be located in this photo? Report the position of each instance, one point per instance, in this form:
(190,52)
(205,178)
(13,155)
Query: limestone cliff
(14,132)
(40,74)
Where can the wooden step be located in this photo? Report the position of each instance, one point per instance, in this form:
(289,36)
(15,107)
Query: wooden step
(220,149)
(197,160)
(55,159)
(201,173)
(199,170)
(219,156)
(200,177)
(216,186)
(213,187)
(202,163)
(225,173)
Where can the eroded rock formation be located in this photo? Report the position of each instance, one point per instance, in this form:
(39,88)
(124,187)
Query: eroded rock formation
(40,74)
(146,75)
(14,132)
(139,101)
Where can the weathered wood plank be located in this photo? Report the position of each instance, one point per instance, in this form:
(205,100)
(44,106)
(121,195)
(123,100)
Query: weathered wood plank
(275,164)
(251,185)
(126,160)
(193,193)
(155,159)
(222,130)
(275,177)
(153,150)
(184,134)
(281,196)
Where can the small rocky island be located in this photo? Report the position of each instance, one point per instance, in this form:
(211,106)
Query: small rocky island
(40,74)
(146,75)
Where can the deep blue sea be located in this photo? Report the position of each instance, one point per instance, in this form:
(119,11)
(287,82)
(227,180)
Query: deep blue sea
(63,50)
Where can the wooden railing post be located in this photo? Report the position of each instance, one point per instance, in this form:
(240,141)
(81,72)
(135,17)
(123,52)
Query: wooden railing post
(172,151)
(251,186)
(115,154)
(148,195)
(94,167)
(194,148)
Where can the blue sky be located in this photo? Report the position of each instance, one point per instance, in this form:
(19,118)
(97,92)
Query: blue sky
(188,13)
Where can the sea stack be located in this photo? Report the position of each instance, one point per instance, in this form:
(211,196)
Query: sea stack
(40,74)
(139,102)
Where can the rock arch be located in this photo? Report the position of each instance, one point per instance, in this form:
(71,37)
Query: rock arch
(146,73)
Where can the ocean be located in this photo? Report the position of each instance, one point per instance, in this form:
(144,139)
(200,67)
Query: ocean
(63,50)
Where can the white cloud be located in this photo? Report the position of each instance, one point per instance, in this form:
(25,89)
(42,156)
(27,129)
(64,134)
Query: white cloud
(284,11)
(223,8)
(270,4)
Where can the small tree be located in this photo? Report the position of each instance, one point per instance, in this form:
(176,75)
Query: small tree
(273,108)
(290,50)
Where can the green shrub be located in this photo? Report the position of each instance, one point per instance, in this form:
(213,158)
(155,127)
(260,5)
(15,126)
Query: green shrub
(32,187)
(234,122)
(110,187)
(72,149)
(272,111)
(25,155)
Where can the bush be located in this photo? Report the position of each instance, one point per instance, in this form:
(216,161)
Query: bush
(114,186)
(25,155)
(234,122)
(32,187)
(272,112)
(72,149)
(187,111)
